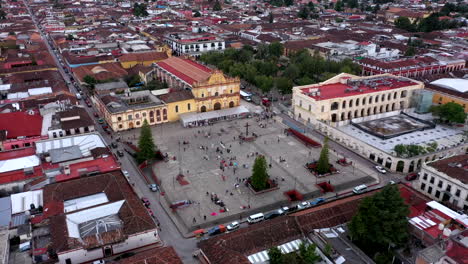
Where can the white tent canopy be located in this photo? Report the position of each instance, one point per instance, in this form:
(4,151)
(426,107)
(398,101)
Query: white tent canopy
(192,118)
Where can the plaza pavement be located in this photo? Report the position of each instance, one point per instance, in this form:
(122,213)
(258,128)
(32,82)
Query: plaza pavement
(202,171)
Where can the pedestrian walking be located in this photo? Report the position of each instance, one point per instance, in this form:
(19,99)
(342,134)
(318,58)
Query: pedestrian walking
(204,217)
(194,220)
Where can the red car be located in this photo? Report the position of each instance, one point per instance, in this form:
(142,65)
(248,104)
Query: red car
(412,176)
(145,201)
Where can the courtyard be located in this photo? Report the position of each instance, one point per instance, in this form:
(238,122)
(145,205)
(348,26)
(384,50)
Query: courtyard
(193,152)
(392,126)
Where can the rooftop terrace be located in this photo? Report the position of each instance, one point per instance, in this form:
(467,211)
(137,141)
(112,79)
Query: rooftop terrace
(446,137)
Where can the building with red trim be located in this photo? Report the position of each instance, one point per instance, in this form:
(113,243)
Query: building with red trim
(414,67)
(347,96)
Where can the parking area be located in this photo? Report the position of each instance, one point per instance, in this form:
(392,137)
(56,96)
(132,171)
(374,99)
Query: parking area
(193,152)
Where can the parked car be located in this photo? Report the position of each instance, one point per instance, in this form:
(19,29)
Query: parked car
(153,187)
(274,214)
(96,114)
(114,145)
(380,169)
(145,201)
(88,103)
(124,255)
(412,176)
(101,261)
(101,121)
(391,182)
(217,230)
(120,153)
(233,226)
(303,205)
(317,201)
(126,174)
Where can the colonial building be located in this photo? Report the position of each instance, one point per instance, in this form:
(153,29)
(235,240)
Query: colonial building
(212,90)
(194,44)
(347,96)
(414,67)
(129,110)
(371,115)
(446,180)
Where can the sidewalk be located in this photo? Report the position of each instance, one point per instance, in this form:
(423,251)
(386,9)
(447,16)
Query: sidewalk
(337,148)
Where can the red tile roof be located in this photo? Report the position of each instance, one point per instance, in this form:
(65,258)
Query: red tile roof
(21,124)
(164,255)
(338,90)
(236,246)
(133,214)
(144,56)
(185,69)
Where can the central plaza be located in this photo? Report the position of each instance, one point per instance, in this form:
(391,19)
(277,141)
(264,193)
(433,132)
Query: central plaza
(193,151)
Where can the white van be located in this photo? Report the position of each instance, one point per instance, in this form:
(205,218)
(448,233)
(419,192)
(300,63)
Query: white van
(255,218)
(78,96)
(360,189)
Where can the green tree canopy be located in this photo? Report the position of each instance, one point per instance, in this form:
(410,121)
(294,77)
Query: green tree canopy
(411,51)
(217,6)
(146,146)
(271,18)
(265,83)
(276,49)
(449,113)
(139,10)
(259,179)
(381,221)
(323,165)
(275,255)
(132,80)
(339,6)
(303,12)
(403,22)
(2,14)
(284,85)
(305,255)
(89,80)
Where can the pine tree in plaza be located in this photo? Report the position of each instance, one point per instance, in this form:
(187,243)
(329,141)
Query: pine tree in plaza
(323,165)
(147,148)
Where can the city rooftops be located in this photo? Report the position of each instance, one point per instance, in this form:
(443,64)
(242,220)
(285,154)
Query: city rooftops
(187,70)
(94,211)
(345,85)
(193,38)
(130,100)
(455,167)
